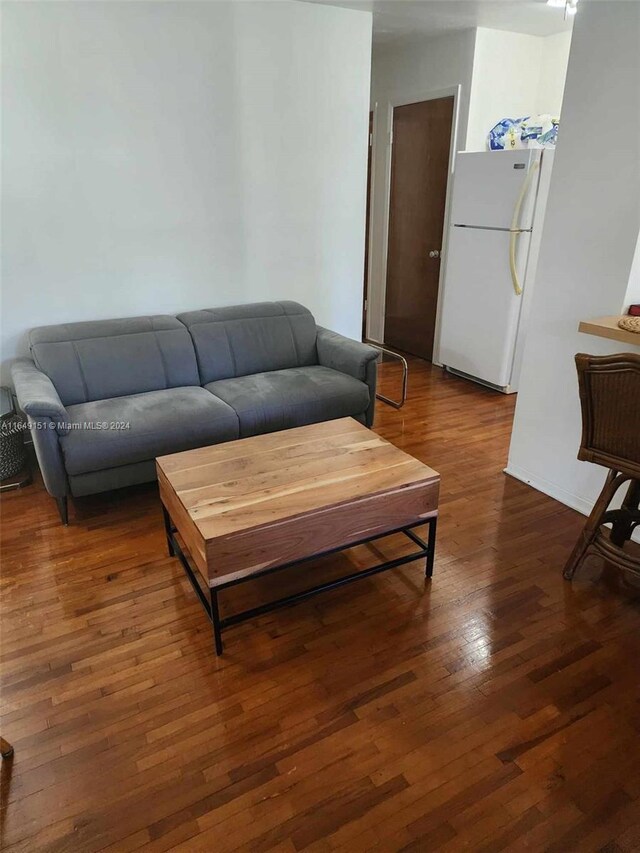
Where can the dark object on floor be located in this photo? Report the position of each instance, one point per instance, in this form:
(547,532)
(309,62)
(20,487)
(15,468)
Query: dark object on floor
(5,748)
(610,400)
(634,310)
(13,458)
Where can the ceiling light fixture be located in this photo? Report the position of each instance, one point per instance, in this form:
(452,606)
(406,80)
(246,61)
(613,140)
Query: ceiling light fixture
(570,6)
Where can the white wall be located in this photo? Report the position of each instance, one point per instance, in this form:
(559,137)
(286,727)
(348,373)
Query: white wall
(632,296)
(553,72)
(175,155)
(506,71)
(514,75)
(588,244)
(404,71)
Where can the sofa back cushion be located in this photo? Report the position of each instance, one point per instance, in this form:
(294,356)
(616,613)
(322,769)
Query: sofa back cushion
(243,339)
(101,359)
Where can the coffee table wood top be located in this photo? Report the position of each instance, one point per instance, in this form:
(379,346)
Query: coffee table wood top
(251,503)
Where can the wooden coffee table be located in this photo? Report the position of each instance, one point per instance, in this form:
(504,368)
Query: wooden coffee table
(256,505)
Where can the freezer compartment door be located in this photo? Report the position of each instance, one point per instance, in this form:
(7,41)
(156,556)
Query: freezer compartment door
(487,186)
(480,309)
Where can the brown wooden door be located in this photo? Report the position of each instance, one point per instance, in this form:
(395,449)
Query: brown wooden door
(419,173)
(366,235)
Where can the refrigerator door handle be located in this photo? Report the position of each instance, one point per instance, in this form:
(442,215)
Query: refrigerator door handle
(513,240)
(515,231)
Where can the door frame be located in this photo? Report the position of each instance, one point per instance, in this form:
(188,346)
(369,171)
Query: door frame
(377,284)
(369,219)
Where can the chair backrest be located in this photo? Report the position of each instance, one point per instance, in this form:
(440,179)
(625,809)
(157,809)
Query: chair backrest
(243,339)
(610,399)
(99,359)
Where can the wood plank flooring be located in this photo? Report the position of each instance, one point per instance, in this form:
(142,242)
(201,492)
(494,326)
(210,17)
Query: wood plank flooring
(496,708)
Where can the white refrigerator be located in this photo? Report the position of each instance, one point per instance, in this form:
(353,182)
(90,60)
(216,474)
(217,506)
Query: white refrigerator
(496,215)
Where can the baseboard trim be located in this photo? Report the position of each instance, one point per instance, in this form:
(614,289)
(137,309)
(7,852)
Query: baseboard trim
(556,492)
(548,488)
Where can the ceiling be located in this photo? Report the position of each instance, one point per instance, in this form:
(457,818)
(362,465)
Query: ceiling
(395,20)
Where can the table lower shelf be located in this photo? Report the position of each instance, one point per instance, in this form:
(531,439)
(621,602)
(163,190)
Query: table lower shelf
(210,602)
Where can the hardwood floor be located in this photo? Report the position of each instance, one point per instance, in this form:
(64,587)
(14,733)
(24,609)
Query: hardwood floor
(496,708)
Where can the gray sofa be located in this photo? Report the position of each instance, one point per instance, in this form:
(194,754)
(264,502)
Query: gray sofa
(105,398)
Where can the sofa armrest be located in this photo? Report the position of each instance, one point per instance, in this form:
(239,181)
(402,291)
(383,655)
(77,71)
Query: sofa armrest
(344,354)
(37,395)
(48,419)
(352,357)
(46,442)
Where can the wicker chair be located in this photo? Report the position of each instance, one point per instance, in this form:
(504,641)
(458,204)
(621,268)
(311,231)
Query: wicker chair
(610,399)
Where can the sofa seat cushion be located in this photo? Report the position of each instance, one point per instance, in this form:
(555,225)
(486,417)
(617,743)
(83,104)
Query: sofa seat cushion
(280,399)
(124,430)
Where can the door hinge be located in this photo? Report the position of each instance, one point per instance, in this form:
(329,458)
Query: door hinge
(365,304)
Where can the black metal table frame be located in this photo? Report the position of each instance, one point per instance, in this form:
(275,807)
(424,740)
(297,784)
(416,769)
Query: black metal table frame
(210,603)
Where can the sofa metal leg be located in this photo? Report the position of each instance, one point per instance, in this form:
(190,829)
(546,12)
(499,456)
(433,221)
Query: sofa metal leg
(63,509)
